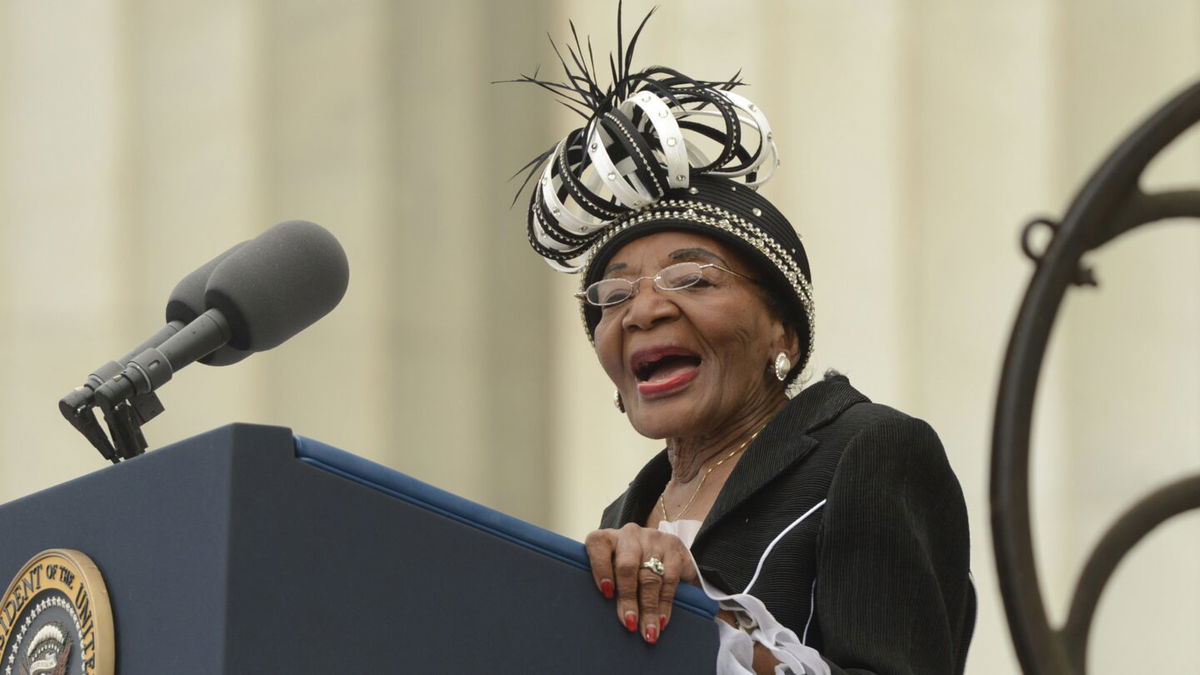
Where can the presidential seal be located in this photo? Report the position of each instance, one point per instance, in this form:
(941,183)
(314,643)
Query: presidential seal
(55,618)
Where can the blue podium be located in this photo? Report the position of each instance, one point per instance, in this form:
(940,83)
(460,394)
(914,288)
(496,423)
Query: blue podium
(250,550)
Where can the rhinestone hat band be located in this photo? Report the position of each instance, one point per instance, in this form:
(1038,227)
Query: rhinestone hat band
(759,231)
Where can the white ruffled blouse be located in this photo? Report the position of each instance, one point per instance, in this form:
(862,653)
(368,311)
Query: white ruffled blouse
(735,656)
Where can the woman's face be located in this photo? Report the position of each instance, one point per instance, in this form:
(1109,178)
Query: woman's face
(688,363)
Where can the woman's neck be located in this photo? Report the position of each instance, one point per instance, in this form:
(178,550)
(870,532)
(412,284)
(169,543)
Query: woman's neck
(690,456)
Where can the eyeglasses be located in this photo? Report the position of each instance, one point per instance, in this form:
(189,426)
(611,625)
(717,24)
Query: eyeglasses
(609,292)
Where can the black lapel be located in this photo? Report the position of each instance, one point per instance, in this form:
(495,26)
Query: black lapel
(643,492)
(783,442)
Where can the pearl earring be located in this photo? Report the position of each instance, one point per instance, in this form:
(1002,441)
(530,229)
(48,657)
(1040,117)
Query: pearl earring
(783,365)
(617,400)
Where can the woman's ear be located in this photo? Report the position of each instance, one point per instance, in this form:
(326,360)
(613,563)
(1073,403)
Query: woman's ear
(786,339)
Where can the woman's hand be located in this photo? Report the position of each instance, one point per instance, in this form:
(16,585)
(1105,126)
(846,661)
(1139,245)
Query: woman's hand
(764,661)
(643,597)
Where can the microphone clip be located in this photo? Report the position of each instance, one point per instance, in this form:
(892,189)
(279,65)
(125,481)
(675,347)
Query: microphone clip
(125,418)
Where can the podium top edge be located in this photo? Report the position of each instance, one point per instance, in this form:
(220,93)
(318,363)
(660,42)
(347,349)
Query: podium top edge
(406,488)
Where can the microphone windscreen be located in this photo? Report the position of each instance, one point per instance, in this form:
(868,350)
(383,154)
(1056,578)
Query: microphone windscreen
(186,302)
(278,284)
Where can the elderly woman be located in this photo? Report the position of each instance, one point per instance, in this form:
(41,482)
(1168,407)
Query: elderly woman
(832,529)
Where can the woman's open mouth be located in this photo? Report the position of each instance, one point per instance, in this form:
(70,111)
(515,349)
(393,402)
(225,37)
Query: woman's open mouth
(663,371)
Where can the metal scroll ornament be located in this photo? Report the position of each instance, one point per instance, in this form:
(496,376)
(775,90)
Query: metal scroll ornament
(1111,202)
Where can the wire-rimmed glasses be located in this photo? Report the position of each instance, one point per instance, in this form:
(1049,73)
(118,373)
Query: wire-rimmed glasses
(610,292)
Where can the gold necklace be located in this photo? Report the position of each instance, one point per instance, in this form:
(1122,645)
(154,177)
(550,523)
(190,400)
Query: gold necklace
(662,502)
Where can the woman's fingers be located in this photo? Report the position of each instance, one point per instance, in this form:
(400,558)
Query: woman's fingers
(670,584)
(628,560)
(600,545)
(644,597)
(649,591)
(678,566)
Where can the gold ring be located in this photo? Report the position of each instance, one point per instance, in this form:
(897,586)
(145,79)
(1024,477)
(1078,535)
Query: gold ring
(654,565)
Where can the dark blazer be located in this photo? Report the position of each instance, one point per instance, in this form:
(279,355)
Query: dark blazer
(876,579)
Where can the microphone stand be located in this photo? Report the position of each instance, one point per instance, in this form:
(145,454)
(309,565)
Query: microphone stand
(76,407)
(125,419)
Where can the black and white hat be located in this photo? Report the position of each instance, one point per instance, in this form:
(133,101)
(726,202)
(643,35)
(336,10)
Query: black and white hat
(661,151)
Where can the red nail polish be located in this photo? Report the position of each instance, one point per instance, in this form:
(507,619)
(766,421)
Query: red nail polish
(631,621)
(651,633)
(606,587)
(662,621)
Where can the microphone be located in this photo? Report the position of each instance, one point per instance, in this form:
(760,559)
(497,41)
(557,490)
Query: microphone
(185,302)
(265,291)
(281,283)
